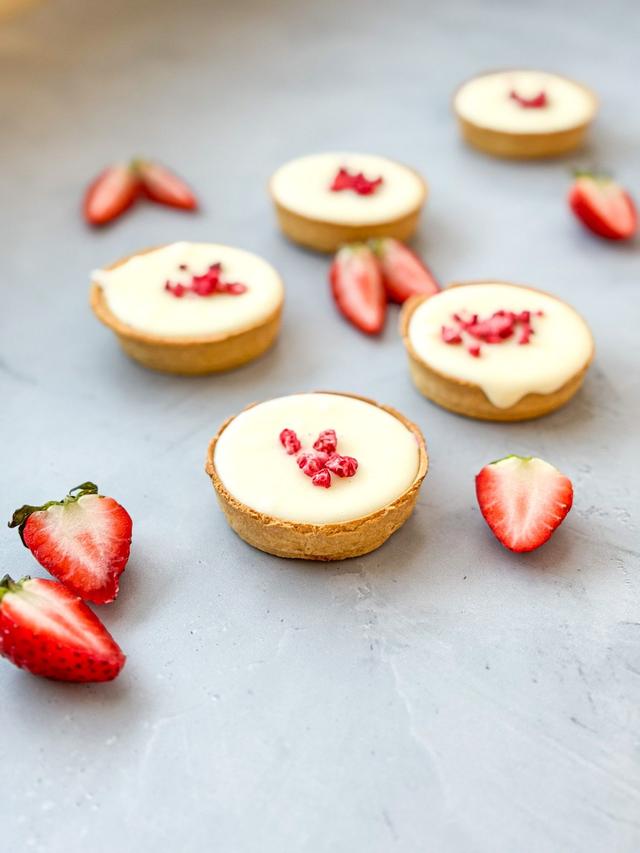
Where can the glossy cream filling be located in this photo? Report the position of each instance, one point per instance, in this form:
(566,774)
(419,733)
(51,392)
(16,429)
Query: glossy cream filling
(303,187)
(135,291)
(485,102)
(257,471)
(559,348)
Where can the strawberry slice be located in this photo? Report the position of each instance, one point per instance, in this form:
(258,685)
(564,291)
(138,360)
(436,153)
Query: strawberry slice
(523,499)
(83,540)
(164,186)
(110,194)
(49,631)
(403,273)
(603,206)
(356,284)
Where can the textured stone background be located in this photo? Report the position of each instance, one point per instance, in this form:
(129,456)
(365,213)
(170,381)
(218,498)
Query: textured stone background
(439,695)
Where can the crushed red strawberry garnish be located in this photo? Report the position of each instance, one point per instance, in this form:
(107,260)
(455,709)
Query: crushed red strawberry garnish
(343,466)
(311,463)
(346,180)
(496,329)
(321,462)
(290,441)
(327,441)
(538,101)
(204,285)
(451,336)
(322,479)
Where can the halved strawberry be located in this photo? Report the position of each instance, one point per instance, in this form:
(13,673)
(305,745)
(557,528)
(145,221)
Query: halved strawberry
(164,186)
(523,499)
(111,193)
(49,631)
(403,273)
(603,206)
(83,540)
(356,284)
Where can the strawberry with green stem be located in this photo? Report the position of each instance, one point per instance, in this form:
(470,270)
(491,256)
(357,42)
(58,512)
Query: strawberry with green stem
(83,540)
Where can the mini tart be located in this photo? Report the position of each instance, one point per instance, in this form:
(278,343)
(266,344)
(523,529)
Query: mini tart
(310,213)
(193,334)
(495,122)
(508,381)
(271,504)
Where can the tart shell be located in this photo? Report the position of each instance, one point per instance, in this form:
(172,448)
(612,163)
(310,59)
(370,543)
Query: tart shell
(334,541)
(467,398)
(327,236)
(524,146)
(187,355)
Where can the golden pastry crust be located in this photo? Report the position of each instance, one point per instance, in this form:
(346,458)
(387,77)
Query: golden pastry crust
(467,398)
(524,146)
(335,541)
(187,355)
(327,236)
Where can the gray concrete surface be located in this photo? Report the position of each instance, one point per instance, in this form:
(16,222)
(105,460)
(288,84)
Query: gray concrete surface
(439,695)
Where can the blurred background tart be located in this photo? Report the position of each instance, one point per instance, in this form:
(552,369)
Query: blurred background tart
(524,113)
(318,476)
(190,308)
(495,350)
(325,200)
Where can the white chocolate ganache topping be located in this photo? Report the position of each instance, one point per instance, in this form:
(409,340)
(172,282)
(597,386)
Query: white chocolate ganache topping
(257,469)
(524,102)
(522,341)
(304,186)
(192,290)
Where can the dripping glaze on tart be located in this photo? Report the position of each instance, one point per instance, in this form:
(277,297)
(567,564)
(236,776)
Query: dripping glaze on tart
(496,350)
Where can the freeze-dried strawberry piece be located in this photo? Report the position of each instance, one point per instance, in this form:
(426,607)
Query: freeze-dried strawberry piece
(343,466)
(290,441)
(327,441)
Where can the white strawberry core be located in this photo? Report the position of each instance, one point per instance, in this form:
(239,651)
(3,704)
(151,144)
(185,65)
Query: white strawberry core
(256,470)
(485,102)
(135,291)
(303,186)
(560,347)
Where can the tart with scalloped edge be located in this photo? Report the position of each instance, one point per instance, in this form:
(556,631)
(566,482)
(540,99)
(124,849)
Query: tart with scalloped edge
(190,308)
(323,201)
(495,350)
(524,113)
(317,476)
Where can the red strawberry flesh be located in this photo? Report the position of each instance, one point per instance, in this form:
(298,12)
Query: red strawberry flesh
(111,193)
(535,102)
(84,541)
(163,186)
(357,288)
(49,631)
(523,500)
(345,180)
(403,273)
(604,207)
